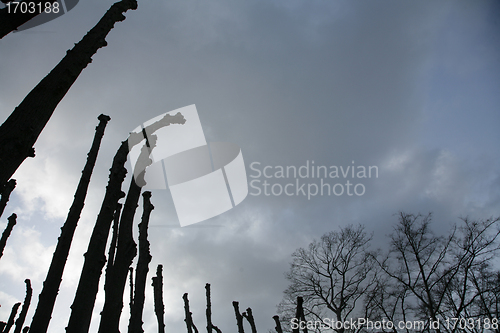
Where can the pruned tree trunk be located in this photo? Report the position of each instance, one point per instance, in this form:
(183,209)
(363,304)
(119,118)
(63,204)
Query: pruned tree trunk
(189,318)
(24,309)
(158,298)
(11,21)
(116,276)
(83,304)
(239,317)
(249,316)
(114,237)
(13,314)
(20,131)
(48,295)
(299,314)
(142,269)
(278,324)
(6,233)
(131,285)
(7,190)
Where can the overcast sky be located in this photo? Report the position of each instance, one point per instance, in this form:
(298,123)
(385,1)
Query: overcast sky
(411,87)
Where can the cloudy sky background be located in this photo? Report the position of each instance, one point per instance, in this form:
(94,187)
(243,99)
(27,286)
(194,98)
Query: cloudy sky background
(410,87)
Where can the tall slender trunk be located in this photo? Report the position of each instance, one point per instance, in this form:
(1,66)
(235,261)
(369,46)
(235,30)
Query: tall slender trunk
(189,318)
(12,316)
(239,317)
(84,301)
(116,276)
(47,298)
(6,233)
(158,298)
(278,324)
(20,131)
(249,316)
(7,190)
(24,309)
(141,271)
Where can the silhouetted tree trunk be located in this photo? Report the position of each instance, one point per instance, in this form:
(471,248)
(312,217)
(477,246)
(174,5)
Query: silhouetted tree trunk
(239,317)
(83,304)
(131,284)
(249,316)
(6,232)
(10,322)
(299,314)
(189,318)
(116,277)
(114,237)
(48,295)
(11,21)
(24,309)
(7,190)
(210,325)
(278,324)
(141,271)
(158,298)
(20,131)
(2,325)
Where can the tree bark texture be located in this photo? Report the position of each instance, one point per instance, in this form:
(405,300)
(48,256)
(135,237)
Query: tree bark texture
(7,190)
(20,131)
(158,298)
(6,233)
(48,295)
(142,269)
(24,309)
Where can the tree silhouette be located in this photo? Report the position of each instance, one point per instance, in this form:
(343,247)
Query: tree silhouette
(141,271)
(7,190)
(47,298)
(6,233)
(331,275)
(20,131)
(158,298)
(24,309)
(88,285)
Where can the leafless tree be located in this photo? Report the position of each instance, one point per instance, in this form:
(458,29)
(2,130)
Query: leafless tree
(24,309)
(7,190)
(6,233)
(188,316)
(47,298)
(331,275)
(20,131)
(158,298)
(88,285)
(141,272)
